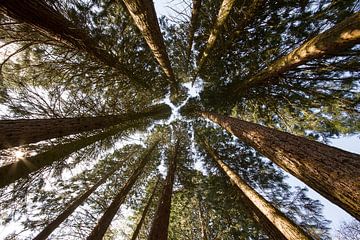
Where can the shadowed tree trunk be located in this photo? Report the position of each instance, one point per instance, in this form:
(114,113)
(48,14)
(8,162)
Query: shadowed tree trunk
(342,36)
(144,15)
(222,16)
(99,230)
(146,209)
(72,207)
(332,172)
(45,18)
(196,5)
(160,224)
(24,131)
(274,222)
(203,224)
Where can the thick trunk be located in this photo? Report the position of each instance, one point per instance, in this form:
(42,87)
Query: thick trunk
(342,36)
(144,213)
(222,16)
(43,17)
(24,131)
(332,172)
(144,15)
(71,208)
(160,224)
(274,222)
(196,4)
(98,232)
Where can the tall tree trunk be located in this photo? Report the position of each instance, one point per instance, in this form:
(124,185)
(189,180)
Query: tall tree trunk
(99,230)
(24,131)
(274,222)
(196,5)
(222,16)
(45,18)
(332,172)
(144,15)
(144,213)
(72,207)
(160,224)
(22,168)
(203,224)
(342,36)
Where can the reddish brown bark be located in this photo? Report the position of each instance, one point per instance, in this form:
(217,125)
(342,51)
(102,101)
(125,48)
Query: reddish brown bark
(160,224)
(144,15)
(103,224)
(24,131)
(332,172)
(342,36)
(274,222)
(43,17)
(144,213)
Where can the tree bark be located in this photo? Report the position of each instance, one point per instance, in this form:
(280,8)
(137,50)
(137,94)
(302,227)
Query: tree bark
(196,5)
(274,222)
(330,171)
(24,131)
(342,36)
(98,232)
(144,213)
(46,19)
(144,16)
(203,224)
(72,207)
(160,224)
(222,16)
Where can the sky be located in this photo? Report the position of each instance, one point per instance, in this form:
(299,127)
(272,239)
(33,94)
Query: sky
(348,143)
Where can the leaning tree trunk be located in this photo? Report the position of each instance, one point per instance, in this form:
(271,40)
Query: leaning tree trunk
(144,213)
(222,16)
(99,230)
(160,224)
(332,172)
(273,221)
(195,11)
(24,131)
(45,18)
(342,36)
(144,15)
(72,207)
(22,168)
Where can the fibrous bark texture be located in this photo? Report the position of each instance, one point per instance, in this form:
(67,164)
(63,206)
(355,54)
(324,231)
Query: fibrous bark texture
(332,172)
(103,224)
(342,36)
(274,222)
(24,131)
(144,15)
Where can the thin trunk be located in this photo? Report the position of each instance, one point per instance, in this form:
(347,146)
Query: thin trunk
(45,18)
(222,16)
(274,222)
(24,131)
(332,172)
(72,207)
(203,224)
(160,224)
(144,15)
(196,5)
(144,213)
(339,38)
(99,230)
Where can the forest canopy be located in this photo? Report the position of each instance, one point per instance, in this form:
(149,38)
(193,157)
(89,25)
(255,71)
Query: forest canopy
(118,123)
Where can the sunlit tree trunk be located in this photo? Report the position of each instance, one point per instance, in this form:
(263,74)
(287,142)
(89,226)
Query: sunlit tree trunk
(342,36)
(274,222)
(24,131)
(45,18)
(332,172)
(144,15)
(196,5)
(72,207)
(103,224)
(144,213)
(160,224)
(222,16)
